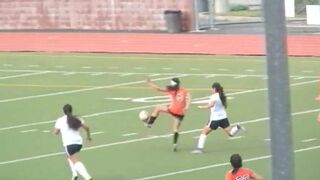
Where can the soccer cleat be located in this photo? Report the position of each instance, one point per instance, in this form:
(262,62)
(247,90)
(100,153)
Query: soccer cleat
(75,178)
(241,129)
(197,151)
(145,123)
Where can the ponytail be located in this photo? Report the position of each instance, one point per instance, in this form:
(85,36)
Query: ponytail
(73,122)
(219,89)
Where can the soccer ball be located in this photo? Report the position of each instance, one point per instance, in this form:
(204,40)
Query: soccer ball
(143,115)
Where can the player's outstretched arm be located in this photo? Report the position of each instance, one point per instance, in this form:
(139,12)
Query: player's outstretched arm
(154,86)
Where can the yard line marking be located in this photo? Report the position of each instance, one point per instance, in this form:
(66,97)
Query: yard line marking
(86,67)
(96,133)
(24,75)
(220,165)
(126,74)
(33,65)
(236,137)
(30,130)
(238,77)
(309,140)
(129,134)
(98,74)
(137,140)
(160,73)
(223,69)
(83,90)
(134,108)
(68,73)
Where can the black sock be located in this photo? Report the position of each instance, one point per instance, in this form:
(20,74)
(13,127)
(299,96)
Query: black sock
(152,119)
(175,137)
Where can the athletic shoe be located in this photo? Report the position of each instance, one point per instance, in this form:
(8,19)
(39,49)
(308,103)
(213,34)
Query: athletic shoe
(241,129)
(145,123)
(197,151)
(75,178)
(175,148)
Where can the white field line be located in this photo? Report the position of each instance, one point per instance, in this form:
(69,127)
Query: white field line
(24,75)
(82,90)
(235,138)
(157,73)
(30,130)
(308,140)
(129,109)
(220,165)
(96,133)
(129,134)
(135,140)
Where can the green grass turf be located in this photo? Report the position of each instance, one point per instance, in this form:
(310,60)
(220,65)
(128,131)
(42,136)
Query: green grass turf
(119,157)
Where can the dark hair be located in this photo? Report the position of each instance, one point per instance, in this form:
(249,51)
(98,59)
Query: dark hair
(176,86)
(219,89)
(73,122)
(236,162)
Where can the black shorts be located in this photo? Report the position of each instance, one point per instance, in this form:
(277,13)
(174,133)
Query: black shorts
(223,123)
(178,116)
(73,148)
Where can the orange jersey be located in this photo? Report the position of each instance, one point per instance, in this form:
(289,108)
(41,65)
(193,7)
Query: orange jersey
(179,100)
(240,174)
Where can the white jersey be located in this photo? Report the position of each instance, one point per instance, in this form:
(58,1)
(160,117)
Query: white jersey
(217,112)
(69,136)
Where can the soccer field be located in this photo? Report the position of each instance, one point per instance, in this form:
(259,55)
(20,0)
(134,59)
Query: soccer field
(109,90)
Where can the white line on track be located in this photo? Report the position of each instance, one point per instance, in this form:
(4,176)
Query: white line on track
(138,108)
(219,165)
(24,75)
(83,90)
(30,130)
(138,140)
(129,134)
(308,140)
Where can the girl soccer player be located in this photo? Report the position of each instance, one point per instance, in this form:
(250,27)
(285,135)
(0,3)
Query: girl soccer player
(238,172)
(179,103)
(218,117)
(69,127)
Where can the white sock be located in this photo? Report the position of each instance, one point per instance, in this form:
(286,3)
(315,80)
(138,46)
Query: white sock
(202,141)
(79,167)
(74,172)
(234,130)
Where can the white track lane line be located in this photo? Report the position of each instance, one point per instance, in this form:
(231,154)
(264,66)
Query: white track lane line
(136,140)
(220,165)
(24,75)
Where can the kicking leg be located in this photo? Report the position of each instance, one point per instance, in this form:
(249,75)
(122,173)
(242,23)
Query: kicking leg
(155,113)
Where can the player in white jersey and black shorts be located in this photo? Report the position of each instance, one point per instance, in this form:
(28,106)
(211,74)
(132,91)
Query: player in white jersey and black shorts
(218,117)
(69,128)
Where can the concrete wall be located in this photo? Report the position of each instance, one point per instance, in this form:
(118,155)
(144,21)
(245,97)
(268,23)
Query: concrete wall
(91,14)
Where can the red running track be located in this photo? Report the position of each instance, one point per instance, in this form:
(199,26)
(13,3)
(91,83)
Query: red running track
(298,45)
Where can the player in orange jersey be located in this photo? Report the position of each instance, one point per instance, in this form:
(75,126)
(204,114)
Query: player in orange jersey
(238,172)
(179,103)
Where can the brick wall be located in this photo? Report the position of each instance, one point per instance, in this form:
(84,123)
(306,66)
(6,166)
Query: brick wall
(90,14)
